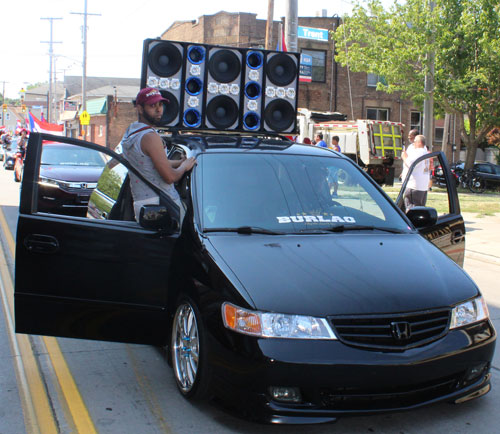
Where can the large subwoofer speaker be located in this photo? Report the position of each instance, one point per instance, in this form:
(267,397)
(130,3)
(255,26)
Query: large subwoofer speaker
(281,92)
(224,70)
(162,68)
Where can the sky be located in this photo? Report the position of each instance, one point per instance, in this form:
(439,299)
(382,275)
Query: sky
(114,36)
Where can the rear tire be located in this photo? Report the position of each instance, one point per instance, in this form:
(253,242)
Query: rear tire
(188,351)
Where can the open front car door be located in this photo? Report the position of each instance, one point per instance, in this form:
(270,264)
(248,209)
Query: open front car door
(448,231)
(85,268)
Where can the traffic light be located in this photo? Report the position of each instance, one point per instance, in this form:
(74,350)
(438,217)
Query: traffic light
(4,107)
(23,108)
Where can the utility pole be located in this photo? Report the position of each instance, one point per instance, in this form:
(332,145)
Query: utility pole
(3,92)
(429,98)
(51,56)
(269,25)
(84,66)
(292,18)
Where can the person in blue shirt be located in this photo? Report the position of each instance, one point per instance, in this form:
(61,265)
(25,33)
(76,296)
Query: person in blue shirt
(320,141)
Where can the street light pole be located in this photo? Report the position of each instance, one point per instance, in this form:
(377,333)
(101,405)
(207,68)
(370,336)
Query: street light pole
(292,12)
(84,64)
(51,56)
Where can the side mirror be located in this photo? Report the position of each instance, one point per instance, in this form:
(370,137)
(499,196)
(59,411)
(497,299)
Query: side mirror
(422,216)
(158,218)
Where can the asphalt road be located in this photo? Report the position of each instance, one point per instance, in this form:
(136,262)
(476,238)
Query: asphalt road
(130,388)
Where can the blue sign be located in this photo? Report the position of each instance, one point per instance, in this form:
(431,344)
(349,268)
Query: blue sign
(305,71)
(312,33)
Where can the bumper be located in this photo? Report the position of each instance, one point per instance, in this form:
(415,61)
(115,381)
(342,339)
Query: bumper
(58,201)
(338,380)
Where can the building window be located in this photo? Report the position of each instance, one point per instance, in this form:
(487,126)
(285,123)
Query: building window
(373,79)
(318,64)
(438,135)
(100,130)
(416,121)
(377,114)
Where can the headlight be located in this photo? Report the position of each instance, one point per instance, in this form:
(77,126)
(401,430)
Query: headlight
(48,182)
(470,312)
(275,325)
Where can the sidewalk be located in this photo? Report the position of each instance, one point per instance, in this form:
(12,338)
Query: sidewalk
(482,239)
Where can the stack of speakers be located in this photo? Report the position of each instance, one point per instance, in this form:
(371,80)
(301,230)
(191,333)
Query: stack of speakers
(211,87)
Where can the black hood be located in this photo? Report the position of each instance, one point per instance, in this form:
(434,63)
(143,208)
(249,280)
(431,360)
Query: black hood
(347,273)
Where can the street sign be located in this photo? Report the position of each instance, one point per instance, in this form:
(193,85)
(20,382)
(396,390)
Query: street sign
(312,33)
(84,118)
(305,70)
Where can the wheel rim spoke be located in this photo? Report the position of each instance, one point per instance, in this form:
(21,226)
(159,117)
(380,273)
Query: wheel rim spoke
(185,347)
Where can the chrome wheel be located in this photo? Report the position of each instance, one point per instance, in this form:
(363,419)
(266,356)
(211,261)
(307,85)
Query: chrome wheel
(185,347)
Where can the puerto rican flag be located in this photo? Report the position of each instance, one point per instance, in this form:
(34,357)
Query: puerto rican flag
(281,45)
(38,126)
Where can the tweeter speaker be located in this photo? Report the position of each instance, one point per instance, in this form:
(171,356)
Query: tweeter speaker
(281,92)
(224,70)
(253,90)
(194,86)
(162,68)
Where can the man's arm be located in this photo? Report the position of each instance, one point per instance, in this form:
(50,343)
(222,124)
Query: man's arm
(152,146)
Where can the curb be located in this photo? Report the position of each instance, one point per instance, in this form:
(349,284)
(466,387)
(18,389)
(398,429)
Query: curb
(482,257)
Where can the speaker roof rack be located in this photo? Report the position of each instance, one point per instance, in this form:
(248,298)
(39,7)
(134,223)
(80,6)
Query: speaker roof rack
(211,140)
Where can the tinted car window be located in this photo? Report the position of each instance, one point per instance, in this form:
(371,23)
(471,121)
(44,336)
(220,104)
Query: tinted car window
(485,168)
(288,193)
(71,156)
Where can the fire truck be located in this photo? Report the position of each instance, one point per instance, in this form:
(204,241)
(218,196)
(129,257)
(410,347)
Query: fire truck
(375,145)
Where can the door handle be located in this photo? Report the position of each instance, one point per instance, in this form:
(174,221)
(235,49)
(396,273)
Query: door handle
(41,243)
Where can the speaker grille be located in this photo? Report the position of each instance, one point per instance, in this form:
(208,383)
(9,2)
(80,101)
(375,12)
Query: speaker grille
(224,66)
(281,69)
(165,59)
(222,112)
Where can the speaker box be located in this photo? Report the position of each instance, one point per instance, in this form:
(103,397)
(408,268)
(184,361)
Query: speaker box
(194,86)
(281,92)
(223,88)
(224,70)
(162,68)
(252,90)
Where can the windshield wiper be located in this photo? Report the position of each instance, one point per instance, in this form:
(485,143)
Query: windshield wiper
(245,230)
(343,228)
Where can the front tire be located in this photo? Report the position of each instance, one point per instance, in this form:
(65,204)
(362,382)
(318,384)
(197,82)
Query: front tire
(477,185)
(188,349)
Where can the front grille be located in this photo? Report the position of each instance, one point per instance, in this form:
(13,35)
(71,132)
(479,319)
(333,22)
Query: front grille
(392,332)
(390,398)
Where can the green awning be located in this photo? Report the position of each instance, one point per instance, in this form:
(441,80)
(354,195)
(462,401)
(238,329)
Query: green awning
(96,106)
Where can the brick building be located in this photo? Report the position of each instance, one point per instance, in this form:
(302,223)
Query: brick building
(333,87)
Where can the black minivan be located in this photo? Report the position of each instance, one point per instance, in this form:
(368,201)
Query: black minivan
(294,287)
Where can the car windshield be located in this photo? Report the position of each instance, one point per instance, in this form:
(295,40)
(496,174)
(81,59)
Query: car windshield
(71,156)
(289,194)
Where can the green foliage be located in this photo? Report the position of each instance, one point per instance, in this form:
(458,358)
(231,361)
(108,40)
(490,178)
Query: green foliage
(463,35)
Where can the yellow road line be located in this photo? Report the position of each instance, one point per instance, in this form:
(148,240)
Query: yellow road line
(38,415)
(74,401)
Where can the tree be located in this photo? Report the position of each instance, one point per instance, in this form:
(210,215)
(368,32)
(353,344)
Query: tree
(464,36)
